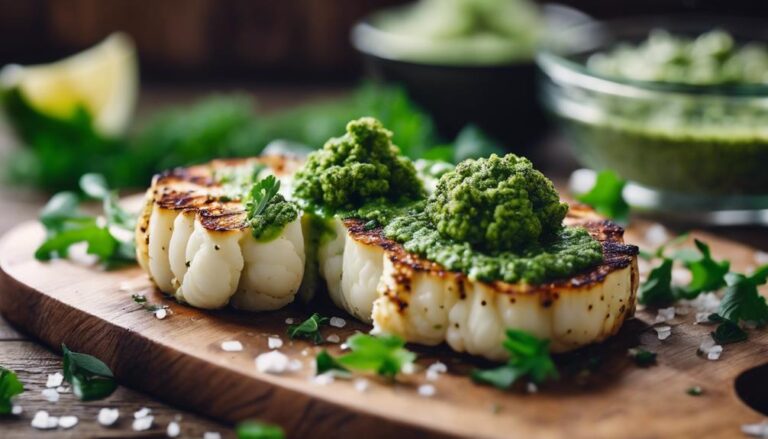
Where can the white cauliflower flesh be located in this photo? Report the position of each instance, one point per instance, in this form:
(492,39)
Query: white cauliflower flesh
(196,245)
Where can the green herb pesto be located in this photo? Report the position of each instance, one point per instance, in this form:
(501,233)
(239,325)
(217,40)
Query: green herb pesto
(497,219)
(358,168)
(267,211)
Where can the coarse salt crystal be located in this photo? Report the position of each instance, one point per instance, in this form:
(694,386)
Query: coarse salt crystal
(274,342)
(757,430)
(656,235)
(531,388)
(681,276)
(362,385)
(231,346)
(663,332)
(714,353)
(435,369)
(706,302)
(143,423)
(54,380)
(344,346)
(761,258)
(333,338)
(42,421)
(66,422)
(707,344)
(427,390)
(408,368)
(16,410)
(702,317)
(173,429)
(289,321)
(338,322)
(212,435)
(323,379)
(665,315)
(161,313)
(295,365)
(142,413)
(63,389)
(272,362)
(51,395)
(107,417)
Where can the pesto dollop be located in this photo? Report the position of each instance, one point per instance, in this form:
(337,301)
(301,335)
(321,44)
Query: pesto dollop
(269,223)
(358,168)
(498,203)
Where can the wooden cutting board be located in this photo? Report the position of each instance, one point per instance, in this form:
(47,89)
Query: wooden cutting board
(179,360)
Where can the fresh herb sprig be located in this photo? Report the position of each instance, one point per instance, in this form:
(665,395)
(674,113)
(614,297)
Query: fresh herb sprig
(642,357)
(258,430)
(384,355)
(110,239)
(10,386)
(309,329)
(90,378)
(528,358)
(606,196)
(261,194)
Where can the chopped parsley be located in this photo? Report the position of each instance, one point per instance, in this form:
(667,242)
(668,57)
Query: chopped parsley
(695,391)
(10,386)
(706,273)
(90,378)
(657,290)
(258,430)
(267,211)
(606,196)
(742,302)
(642,357)
(309,329)
(528,357)
(385,355)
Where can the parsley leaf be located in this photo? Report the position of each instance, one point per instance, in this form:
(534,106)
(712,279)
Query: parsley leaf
(385,355)
(10,386)
(728,332)
(258,430)
(309,329)
(261,194)
(642,357)
(657,290)
(528,356)
(706,273)
(91,379)
(742,301)
(606,196)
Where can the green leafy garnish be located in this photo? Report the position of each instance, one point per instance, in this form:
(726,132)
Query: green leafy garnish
(642,357)
(606,196)
(10,386)
(91,379)
(657,290)
(528,357)
(261,194)
(384,355)
(309,329)
(742,302)
(706,273)
(695,391)
(66,225)
(727,332)
(258,430)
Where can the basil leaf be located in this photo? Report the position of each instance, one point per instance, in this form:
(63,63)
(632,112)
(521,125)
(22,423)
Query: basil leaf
(728,332)
(742,301)
(643,358)
(657,290)
(606,196)
(258,430)
(324,362)
(528,357)
(10,386)
(385,355)
(100,242)
(91,379)
(309,329)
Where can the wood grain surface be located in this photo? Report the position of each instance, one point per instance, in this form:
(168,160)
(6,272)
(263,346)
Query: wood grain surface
(179,360)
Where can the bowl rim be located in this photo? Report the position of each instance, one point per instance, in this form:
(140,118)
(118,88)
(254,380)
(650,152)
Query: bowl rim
(554,60)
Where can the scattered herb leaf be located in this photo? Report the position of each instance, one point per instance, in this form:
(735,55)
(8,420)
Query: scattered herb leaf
(695,391)
(261,194)
(309,329)
(657,290)
(642,357)
(258,430)
(528,357)
(90,378)
(606,196)
(706,273)
(139,298)
(742,302)
(728,332)
(385,355)
(10,386)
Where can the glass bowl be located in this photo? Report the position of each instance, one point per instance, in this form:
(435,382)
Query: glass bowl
(686,147)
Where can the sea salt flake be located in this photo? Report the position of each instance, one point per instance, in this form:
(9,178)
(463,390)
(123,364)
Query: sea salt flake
(531,388)
(289,321)
(338,322)
(63,389)
(54,380)
(665,315)
(231,346)
(714,353)
(323,379)
(274,342)
(757,430)
(427,390)
(702,317)
(107,416)
(212,435)
(707,344)
(344,346)
(656,235)
(142,413)
(161,313)
(16,410)
(142,424)
(173,430)
(295,365)
(362,385)
(435,369)
(408,368)
(761,258)
(663,332)
(42,421)
(272,362)
(67,422)
(333,338)
(50,395)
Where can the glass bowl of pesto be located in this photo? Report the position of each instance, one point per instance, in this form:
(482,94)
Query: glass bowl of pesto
(465,61)
(678,107)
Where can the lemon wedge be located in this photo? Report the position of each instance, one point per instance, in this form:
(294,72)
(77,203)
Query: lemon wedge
(103,80)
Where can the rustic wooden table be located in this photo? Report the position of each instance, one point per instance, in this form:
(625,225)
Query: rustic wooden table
(33,362)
